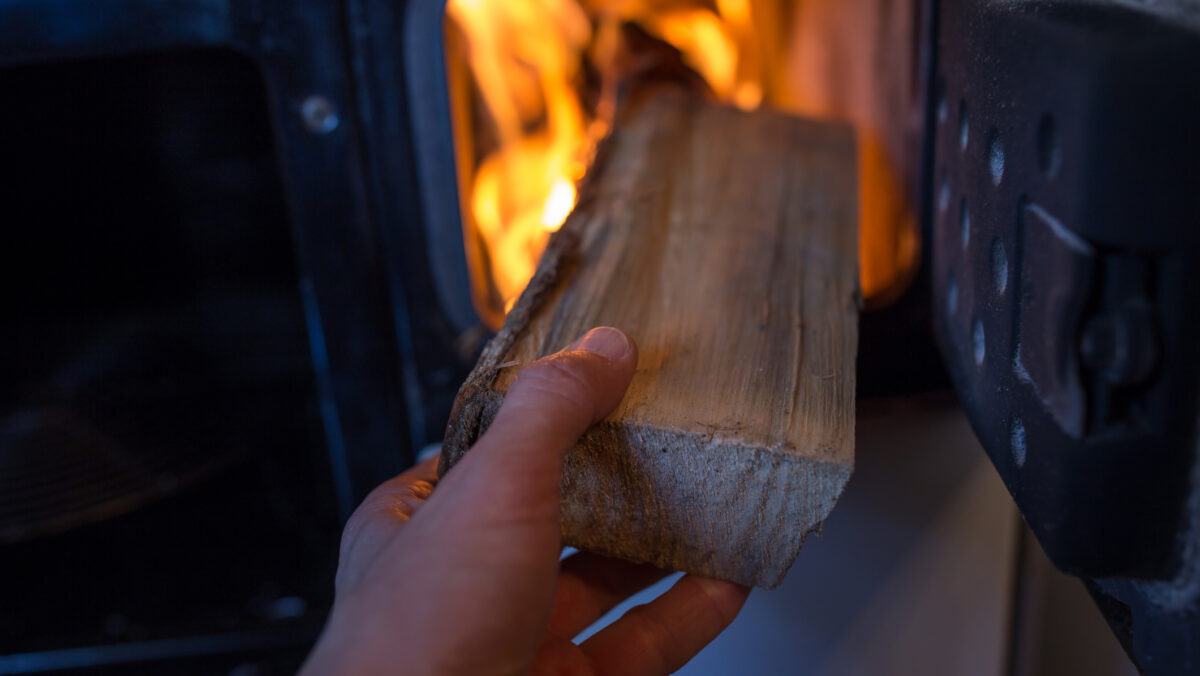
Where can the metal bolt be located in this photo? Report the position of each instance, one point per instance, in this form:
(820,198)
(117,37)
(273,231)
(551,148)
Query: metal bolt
(1121,343)
(319,115)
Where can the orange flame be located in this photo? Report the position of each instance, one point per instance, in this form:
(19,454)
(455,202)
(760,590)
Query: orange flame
(534,136)
(524,58)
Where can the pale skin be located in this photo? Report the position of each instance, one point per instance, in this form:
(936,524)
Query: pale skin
(462,575)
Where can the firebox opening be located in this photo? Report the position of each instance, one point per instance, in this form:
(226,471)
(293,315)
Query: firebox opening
(533,86)
(158,386)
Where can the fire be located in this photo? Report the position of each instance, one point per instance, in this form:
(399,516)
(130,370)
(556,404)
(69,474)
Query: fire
(526,60)
(542,77)
(523,56)
(559,203)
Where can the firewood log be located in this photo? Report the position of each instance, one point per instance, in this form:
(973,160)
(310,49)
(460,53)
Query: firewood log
(724,242)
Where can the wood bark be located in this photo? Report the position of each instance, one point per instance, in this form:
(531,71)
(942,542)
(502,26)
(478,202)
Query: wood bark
(724,242)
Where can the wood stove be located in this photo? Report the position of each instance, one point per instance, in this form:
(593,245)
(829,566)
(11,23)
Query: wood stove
(245,278)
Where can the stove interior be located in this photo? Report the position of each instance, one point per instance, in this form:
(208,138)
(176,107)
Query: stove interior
(535,84)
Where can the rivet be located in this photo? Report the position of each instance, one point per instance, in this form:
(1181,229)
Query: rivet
(977,341)
(319,115)
(999,266)
(995,150)
(964,221)
(964,127)
(1017,442)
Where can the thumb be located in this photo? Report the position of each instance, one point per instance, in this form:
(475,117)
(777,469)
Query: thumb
(501,501)
(555,399)
(552,402)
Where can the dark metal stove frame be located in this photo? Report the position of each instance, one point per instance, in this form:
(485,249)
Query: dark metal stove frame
(362,125)
(1064,199)
(385,299)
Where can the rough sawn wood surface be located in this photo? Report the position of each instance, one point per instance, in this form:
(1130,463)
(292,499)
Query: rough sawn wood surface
(724,242)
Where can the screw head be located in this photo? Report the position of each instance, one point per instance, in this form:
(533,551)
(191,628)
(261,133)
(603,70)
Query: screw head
(319,115)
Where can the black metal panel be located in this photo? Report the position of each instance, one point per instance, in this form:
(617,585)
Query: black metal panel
(427,269)
(422,53)
(1064,266)
(354,224)
(61,29)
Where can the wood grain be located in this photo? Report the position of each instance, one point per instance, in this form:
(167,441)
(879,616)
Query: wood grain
(724,242)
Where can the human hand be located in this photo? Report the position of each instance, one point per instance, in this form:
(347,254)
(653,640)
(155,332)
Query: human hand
(466,579)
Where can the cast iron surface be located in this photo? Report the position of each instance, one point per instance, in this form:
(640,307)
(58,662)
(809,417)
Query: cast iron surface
(162,466)
(1064,257)
(386,295)
(383,362)
(354,220)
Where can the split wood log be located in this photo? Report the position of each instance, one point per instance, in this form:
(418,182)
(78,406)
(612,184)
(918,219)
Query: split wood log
(724,242)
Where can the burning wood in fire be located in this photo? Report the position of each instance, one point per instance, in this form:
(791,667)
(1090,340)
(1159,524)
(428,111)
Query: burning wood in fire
(535,84)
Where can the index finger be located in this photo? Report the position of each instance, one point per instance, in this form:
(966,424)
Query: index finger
(382,513)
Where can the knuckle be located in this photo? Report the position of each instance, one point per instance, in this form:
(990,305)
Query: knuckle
(394,501)
(392,504)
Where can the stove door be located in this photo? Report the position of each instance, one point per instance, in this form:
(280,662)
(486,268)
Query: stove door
(1064,248)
